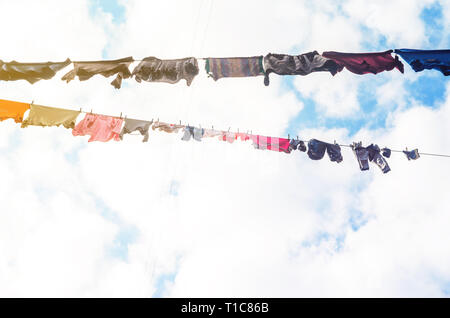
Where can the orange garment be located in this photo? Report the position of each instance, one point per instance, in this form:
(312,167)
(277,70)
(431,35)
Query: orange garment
(99,127)
(10,109)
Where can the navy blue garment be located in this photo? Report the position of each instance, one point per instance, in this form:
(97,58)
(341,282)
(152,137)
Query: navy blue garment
(386,152)
(316,150)
(412,155)
(427,59)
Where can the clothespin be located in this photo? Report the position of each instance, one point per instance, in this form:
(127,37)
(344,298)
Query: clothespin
(120,114)
(91,110)
(32,102)
(81,110)
(289,137)
(229,129)
(297,137)
(238,130)
(180,122)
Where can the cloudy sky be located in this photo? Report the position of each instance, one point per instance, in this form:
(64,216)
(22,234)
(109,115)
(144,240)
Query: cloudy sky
(185,219)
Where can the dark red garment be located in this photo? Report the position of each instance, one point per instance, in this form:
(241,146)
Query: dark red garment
(363,63)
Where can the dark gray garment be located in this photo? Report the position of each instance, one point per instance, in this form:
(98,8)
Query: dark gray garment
(85,70)
(136,125)
(31,72)
(370,153)
(362,155)
(377,158)
(152,69)
(303,64)
(194,132)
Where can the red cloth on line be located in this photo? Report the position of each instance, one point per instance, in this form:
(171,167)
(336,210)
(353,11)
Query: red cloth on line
(363,63)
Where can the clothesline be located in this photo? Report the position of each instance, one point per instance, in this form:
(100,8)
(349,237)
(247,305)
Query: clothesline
(152,69)
(342,145)
(105,128)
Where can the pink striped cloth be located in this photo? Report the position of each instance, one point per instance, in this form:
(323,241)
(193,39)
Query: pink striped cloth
(270,143)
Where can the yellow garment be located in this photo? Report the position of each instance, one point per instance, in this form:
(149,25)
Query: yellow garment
(50,116)
(10,109)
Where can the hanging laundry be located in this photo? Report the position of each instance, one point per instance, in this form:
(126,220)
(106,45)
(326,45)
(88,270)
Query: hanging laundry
(194,132)
(211,133)
(227,136)
(85,70)
(412,155)
(362,155)
(234,67)
(242,136)
(169,128)
(363,63)
(99,127)
(386,152)
(31,72)
(49,116)
(372,154)
(295,144)
(316,150)
(377,158)
(152,69)
(136,125)
(303,64)
(427,59)
(270,143)
(14,110)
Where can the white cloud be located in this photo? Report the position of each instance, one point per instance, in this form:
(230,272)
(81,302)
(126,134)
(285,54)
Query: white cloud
(223,220)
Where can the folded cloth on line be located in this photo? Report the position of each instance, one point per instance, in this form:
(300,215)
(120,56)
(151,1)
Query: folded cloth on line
(50,116)
(270,143)
(99,127)
(136,125)
(303,64)
(14,110)
(169,128)
(31,72)
(234,67)
(363,63)
(427,59)
(152,69)
(316,150)
(85,70)
(194,132)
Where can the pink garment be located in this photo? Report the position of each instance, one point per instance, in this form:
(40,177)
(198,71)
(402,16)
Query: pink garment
(228,136)
(243,136)
(211,133)
(99,127)
(270,143)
